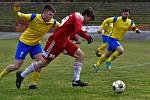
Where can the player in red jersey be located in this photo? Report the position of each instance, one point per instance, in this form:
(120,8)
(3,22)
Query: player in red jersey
(76,39)
(59,41)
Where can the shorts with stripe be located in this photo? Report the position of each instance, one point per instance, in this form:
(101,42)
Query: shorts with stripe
(54,47)
(23,49)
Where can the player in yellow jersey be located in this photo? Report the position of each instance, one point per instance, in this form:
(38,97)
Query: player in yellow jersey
(106,32)
(29,41)
(120,26)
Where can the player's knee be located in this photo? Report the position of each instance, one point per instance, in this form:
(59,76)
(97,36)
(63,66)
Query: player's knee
(107,55)
(121,52)
(39,58)
(81,57)
(42,64)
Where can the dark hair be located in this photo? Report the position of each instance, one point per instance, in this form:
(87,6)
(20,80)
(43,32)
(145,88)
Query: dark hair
(126,10)
(49,7)
(89,12)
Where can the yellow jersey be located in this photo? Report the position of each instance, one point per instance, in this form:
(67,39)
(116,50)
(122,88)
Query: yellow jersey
(108,29)
(36,29)
(120,27)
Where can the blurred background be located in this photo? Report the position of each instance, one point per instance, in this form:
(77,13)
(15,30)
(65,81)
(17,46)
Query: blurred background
(140,11)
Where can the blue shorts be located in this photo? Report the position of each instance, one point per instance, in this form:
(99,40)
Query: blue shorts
(105,38)
(113,44)
(23,49)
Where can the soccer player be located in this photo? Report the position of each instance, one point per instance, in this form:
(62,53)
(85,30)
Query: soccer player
(120,26)
(29,41)
(106,32)
(59,41)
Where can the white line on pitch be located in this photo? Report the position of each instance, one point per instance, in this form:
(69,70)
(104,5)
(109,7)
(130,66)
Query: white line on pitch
(135,65)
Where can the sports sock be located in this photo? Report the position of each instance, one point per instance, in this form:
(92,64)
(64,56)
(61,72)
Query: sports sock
(101,48)
(35,78)
(77,70)
(113,56)
(30,69)
(3,73)
(101,60)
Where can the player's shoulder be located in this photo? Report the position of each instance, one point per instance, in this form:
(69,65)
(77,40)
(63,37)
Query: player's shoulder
(53,21)
(33,15)
(114,18)
(37,14)
(78,15)
(130,19)
(118,17)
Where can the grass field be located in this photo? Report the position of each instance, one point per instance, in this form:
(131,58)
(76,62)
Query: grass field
(133,67)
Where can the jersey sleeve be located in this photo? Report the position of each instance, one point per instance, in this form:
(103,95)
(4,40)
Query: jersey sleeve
(22,16)
(25,17)
(78,27)
(108,20)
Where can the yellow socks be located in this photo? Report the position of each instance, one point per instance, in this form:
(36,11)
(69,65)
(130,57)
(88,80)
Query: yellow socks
(101,48)
(101,60)
(35,78)
(3,73)
(113,56)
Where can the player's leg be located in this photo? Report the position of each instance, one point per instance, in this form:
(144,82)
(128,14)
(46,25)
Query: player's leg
(103,46)
(12,67)
(36,53)
(101,60)
(33,67)
(118,50)
(78,54)
(100,49)
(113,44)
(21,52)
(52,50)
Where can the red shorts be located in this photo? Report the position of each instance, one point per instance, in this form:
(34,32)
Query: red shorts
(54,47)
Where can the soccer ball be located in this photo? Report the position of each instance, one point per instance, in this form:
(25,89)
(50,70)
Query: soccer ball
(118,86)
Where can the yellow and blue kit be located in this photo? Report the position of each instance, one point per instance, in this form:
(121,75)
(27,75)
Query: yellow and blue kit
(106,32)
(120,27)
(29,41)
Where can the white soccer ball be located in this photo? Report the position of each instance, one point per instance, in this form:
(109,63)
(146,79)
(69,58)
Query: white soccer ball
(118,86)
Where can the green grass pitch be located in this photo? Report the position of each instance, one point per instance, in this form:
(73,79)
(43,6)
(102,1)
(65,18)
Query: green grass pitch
(133,67)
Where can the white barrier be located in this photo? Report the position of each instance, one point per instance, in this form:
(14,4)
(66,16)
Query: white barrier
(91,29)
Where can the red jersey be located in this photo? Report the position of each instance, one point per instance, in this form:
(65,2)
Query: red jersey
(71,24)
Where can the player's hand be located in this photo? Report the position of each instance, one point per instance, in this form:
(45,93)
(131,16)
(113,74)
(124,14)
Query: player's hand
(99,31)
(90,40)
(138,31)
(17,6)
